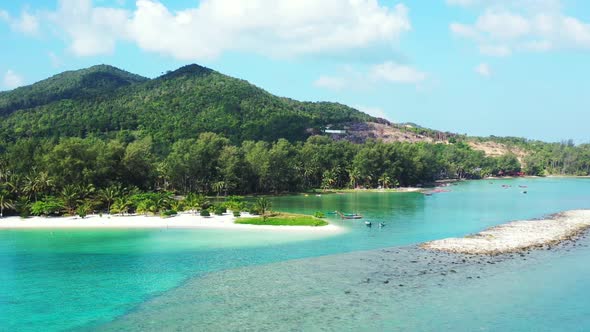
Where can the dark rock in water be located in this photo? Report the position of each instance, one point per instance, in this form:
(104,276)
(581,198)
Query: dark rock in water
(386,282)
(347,292)
(453,271)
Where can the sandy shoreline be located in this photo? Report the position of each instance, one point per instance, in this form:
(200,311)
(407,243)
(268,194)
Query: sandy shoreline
(182,221)
(518,235)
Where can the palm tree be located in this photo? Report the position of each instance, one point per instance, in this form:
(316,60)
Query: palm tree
(143,207)
(31,186)
(13,184)
(328,179)
(5,203)
(263,206)
(161,203)
(121,205)
(84,209)
(44,181)
(385,180)
(70,195)
(85,191)
(194,202)
(109,195)
(353,175)
(219,186)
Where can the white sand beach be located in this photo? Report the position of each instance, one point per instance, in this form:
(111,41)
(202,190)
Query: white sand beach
(518,235)
(183,220)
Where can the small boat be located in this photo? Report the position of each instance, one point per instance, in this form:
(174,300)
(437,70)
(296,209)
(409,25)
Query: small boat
(349,215)
(368,223)
(523,186)
(381,225)
(353,216)
(525,192)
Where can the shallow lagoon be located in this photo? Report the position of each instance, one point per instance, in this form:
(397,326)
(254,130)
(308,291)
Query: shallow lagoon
(74,279)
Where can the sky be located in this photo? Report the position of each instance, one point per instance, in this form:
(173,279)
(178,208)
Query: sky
(478,67)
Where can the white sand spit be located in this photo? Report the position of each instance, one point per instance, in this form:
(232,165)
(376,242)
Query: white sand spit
(518,235)
(183,220)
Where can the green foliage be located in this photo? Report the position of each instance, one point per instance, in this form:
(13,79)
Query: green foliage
(205,213)
(284,220)
(169,213)
(219,209)
(319,214)
(5,202)
(253,210)
(235,203)
(84,209)
(150,202)
(237,214)
(50,205)
(196,202)
(262,206)
(104,100)
(23,207)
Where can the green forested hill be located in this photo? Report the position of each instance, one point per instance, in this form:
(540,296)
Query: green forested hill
(103,100)
(81,84)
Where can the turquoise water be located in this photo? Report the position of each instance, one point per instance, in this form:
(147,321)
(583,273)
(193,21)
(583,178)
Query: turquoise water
(57,280)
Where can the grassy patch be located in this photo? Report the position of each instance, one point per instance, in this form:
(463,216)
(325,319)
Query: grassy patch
(284,219)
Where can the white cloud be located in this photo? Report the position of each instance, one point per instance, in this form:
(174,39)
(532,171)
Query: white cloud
(484,70)
(278,28)
(523,25)
(463,30)
(502,25)
(330,82)
(27,23)
(495,50)
(461,2)
(90,30)
(396,73)
(388,72)
(377,112)
(12,80)
(55,60)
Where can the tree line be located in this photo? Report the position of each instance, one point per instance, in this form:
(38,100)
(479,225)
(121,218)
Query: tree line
(43,176)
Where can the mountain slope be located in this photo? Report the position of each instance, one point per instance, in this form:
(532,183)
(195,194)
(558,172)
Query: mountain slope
(79,84)
(179,104)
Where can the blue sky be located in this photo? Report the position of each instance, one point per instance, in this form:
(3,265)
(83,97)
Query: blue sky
(481,67)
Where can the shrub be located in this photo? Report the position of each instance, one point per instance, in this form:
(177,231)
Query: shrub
(237,214)
(83,210)
(50,205)
(205,213)
(253,210)
(219,209)
(319,214)
(235,203)
(169,213)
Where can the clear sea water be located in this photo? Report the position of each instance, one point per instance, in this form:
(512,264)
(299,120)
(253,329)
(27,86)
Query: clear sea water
(69,280)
